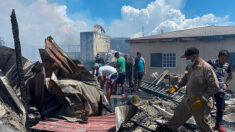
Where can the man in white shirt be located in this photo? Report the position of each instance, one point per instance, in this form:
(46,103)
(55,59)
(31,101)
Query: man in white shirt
(110,74)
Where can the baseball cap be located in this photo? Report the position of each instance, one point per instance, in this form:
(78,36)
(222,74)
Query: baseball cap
(190,51)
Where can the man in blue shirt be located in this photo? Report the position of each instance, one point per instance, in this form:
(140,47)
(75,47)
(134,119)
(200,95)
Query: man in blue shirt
(139,70)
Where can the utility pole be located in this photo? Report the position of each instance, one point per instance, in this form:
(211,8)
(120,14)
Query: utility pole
(143,31)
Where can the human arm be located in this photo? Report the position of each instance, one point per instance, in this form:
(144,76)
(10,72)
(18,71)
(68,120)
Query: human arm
(212,82)
(229,78)
(144,68)
(181,83)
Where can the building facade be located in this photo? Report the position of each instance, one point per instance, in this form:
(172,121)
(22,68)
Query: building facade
(163,51)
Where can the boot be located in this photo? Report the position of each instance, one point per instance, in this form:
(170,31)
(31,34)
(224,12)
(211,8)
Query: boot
(163,128)
(219,128)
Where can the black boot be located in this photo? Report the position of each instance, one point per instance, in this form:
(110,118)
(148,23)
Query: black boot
(163,128)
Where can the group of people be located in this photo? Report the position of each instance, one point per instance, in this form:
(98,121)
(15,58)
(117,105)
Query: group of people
(124,69)
(204,81)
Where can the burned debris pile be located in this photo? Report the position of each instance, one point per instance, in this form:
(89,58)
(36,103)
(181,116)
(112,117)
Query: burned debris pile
(60,94)
(59,87)
(156,108)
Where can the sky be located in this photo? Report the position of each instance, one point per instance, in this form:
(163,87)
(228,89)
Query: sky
(65,19)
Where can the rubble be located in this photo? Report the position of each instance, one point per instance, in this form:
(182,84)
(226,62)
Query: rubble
(60,94)
(62,88)
(13,113)
(57,87)
(154,108)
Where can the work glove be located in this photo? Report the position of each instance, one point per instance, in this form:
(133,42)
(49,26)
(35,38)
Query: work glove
(199,102)
(171,91)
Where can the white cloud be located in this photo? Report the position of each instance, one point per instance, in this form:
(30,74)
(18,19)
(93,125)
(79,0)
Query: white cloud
(160,14)
(39,19)
(133,19)
(177,21)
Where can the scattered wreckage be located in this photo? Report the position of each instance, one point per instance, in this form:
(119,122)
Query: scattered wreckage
(58,87)
(59,94)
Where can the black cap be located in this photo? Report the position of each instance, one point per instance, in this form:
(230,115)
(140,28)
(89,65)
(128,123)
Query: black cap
(190,51)
(138,53)
(224,53)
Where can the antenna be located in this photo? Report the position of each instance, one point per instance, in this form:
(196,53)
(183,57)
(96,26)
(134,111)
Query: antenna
(142,30)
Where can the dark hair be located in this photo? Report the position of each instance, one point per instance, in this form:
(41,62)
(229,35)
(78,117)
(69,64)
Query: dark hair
(138,53)
(190,51)
(116,54)
(224,53)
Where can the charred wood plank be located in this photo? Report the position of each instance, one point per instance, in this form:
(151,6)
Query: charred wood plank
(15,31)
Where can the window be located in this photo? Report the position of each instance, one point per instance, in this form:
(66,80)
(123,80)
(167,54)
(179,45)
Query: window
(164,60)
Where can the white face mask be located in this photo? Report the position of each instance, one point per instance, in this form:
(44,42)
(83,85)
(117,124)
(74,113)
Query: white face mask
(189,62)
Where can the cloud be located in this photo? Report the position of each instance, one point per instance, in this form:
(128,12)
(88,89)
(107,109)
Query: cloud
(160,14)
(37,20)
(133,19)
(175,20)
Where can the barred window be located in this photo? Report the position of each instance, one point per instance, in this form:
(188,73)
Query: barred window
(169,60)
(164,60)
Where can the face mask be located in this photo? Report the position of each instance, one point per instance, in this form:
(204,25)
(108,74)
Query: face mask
(189,62)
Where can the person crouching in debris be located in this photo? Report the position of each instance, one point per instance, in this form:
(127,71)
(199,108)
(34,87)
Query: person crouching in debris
(100,61)
(121,69)
(221,66)
(201,84)
(139,70)
(110,74)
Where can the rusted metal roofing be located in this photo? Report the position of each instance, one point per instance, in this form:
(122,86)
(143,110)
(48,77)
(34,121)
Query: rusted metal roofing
(94,124)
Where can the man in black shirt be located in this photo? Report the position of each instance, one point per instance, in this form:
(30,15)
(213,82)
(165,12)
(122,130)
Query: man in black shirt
(100,61)
(129,65)
(221,67)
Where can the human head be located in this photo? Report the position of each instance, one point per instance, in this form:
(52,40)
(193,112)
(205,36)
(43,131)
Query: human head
(97,55)
(223,56)
(126,57)
(192,55)
(117,55)
(138,54)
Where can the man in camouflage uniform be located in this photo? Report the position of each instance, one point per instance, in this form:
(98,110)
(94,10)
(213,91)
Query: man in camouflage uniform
(221,67)
(201,84)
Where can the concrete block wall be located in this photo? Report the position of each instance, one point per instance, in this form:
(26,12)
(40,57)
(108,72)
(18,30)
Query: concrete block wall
(93,43)
(208,50)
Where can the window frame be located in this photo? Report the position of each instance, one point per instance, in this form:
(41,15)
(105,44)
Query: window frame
(162,67)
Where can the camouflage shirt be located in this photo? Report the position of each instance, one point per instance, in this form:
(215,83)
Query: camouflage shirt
(220,70)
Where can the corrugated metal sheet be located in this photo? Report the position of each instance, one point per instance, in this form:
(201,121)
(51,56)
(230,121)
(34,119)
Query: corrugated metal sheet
(94,124)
